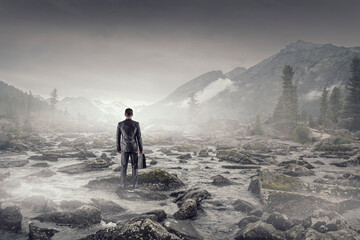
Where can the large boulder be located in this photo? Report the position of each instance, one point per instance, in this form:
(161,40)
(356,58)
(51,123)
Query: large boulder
(324,221)
(259,230)
(134,230)
(280,221)
(81,217)
(159,179)
(155,179)
(10,219)
(187,210)
(39,233)
(234,155)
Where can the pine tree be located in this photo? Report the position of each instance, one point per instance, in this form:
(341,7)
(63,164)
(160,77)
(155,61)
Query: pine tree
(303,116)
(352,100)
(54,98)
(335,103)
(324,106)
(286,111)
(257,130)
(311,122)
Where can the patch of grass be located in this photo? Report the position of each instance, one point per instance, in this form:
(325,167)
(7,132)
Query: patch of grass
(282,182)
(337,140)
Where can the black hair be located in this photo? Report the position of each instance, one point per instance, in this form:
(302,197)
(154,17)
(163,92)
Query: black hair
(128,112)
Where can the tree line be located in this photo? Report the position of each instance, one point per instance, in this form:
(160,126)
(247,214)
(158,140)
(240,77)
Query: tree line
(290,122)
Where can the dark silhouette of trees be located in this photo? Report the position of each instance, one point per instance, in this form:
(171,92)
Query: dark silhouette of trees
(286,110)
(352,100)
(335,104)
(257,129)
(324,106)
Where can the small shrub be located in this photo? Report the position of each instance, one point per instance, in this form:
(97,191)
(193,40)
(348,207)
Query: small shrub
(337,140)
(302,134)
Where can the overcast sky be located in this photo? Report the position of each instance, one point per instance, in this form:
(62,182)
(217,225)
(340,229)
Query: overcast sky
(140,51)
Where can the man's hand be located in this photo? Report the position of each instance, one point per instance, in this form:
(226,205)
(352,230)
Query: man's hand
(141,152)
(119,152)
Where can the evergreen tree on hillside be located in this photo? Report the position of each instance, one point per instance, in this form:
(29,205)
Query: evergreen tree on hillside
(324,106)
(54,98)
(352,100)
(303,116)
(335,104)
(286,110)
(311,122)
(257,129)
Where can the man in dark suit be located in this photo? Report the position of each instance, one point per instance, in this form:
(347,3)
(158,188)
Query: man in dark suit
(128,141)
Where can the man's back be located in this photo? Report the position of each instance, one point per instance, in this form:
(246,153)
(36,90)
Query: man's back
(129,136)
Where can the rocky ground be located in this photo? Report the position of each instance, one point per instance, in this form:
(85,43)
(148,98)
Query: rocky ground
(65,186)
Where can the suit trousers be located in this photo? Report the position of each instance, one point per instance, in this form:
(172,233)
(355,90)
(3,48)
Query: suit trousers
(134,165)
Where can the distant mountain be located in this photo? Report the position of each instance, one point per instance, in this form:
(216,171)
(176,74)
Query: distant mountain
(94,110)
(174,106)
(242,93)
(257,89)
(16,103)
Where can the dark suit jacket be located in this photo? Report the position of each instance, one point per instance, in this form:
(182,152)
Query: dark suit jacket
(128,136)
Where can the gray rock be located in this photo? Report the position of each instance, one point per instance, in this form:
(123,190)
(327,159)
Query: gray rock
(10,219)
(38,233)
(280,221)
(141,229)
(256,212)
(157,215)
(297,162)
(245,221)
(198,194)
(187,210)
(259,230)
(324,221)
(243,206)
(220,181)
(81,217)
(297,170)
(185,156)
(40,164)
(107,206)
(12,163)
(203,153)
(183,229)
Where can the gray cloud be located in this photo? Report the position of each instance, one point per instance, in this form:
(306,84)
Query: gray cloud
(139,51)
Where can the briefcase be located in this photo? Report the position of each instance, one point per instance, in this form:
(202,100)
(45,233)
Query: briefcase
(142,162)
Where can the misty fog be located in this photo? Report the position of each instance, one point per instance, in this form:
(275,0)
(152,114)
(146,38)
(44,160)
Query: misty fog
(249,113)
